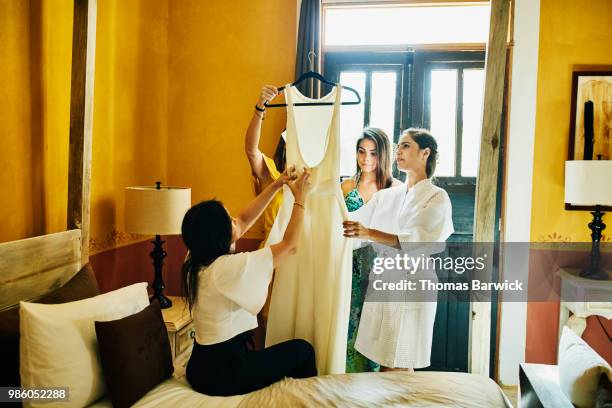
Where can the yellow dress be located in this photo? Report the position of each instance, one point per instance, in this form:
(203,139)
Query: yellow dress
(269,215)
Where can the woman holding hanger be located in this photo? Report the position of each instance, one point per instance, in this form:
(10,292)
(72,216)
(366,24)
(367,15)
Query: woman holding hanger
(373,157)
(264,169)
(398,335)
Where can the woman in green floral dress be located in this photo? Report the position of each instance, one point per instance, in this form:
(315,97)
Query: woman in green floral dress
(373,174)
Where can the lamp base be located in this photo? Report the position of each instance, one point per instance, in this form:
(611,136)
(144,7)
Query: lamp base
(164,302)
(594,274)
(158,255)
(596,226)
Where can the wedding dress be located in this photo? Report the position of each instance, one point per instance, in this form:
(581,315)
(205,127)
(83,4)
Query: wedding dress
(312,288)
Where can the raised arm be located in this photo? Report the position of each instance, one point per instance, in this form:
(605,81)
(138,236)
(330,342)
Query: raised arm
(253,210)
(300,189)
(251,140)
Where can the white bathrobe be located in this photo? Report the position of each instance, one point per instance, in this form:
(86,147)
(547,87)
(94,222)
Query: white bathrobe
(399,334)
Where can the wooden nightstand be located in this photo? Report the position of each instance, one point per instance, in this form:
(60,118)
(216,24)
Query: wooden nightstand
(180,330)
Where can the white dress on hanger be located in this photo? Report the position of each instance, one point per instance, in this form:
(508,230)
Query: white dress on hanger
(312,288)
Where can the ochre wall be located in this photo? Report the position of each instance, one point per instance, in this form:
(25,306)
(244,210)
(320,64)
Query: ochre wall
(571,34)
(222,53)
(218,55)
(130,111)
(175,85)
(35,51)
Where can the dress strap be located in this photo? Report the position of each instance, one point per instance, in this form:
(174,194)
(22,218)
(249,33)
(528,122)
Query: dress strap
(357,178)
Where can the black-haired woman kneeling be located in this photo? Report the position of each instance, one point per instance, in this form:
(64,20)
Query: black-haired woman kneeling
(225,292)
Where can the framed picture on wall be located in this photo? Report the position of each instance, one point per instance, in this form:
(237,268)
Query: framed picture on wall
(590,120)
(591,116)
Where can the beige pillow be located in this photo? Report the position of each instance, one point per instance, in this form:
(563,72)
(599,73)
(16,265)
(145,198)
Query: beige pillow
(580,368)
(58,346)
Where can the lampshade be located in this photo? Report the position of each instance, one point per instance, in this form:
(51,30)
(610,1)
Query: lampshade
(588,182)
(152,211)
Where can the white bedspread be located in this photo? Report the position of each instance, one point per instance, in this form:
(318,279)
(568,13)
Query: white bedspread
(396,389)
(177,393)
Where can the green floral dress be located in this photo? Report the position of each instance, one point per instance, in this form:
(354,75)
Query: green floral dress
(362,262)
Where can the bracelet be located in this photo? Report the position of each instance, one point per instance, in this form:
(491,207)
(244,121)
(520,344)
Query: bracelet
(299,205)
(257,108)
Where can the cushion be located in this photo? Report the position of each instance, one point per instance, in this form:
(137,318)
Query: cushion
(580,368)
(135,354)
(81,286)
(58,346)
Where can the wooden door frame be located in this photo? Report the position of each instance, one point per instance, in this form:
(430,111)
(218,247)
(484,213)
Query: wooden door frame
(487,187)
(81,119)
(487,182)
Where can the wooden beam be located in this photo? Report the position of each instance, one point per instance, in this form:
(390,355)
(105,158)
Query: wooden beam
(486,186)
(33,267)
(81,119)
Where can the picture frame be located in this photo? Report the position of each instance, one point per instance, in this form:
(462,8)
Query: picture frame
(590,135)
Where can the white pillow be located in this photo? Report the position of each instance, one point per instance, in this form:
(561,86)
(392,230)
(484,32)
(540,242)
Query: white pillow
(580,368)
(58,345)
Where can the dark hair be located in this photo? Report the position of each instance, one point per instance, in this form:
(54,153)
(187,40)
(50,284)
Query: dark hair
(280,155)
(207,233)
(384,178)
(424,139)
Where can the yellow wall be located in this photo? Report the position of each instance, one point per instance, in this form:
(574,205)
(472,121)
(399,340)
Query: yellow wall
(175,85)
(34,115)
(222,53)
(130,111)
(571,33)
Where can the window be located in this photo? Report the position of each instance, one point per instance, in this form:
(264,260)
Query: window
(406,24)
(453,98)
(442,91)
(381,80)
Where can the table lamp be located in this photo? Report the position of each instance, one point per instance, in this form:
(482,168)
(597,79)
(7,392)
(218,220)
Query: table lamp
(156,210)
(589,183)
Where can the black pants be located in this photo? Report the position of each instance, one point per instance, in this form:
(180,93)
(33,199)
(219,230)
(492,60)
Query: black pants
(230,368)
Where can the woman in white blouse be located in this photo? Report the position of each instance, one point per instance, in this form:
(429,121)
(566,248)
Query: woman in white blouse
(397,335)
(225,291)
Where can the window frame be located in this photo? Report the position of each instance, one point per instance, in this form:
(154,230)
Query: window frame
(378,61)
(424,63)
(369,62)
(412,88)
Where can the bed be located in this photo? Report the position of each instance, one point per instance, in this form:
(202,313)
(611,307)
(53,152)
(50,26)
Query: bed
(33,267)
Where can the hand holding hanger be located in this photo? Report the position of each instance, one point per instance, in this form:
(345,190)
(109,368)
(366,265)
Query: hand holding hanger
(268,92)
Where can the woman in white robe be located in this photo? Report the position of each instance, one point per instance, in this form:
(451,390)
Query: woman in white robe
(398,335)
